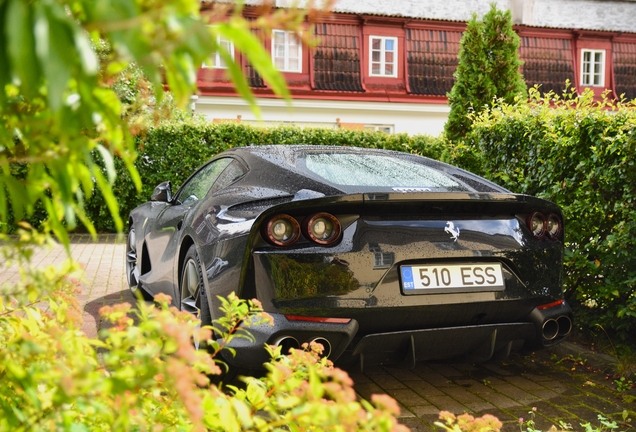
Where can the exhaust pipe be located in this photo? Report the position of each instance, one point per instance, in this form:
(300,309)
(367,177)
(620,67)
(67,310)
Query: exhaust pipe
(565,325)
(550,329)
(286,343)
(326,345)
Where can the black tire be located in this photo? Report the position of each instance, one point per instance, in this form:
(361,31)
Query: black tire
(133,268)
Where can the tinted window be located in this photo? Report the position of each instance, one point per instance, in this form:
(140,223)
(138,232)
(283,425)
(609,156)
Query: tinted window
(348,169)
(232,173)
(198,185)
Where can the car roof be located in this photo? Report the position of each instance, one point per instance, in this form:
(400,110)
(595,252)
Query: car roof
(272,160)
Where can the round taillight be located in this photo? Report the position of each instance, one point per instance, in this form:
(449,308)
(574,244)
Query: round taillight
(322,228)
(536,224)
(282,230)
(553,226)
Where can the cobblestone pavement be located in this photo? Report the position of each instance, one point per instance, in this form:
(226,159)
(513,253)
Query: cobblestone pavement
(558,388)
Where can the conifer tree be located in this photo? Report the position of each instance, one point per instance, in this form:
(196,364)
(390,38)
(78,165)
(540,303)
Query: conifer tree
(488,67)
(502,45)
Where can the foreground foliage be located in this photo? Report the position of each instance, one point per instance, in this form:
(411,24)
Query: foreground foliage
(579,153)
(144,373)
(62,121)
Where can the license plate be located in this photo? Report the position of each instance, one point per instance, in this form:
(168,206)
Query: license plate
(454,277)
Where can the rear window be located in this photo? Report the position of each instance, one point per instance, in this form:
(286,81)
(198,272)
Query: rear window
(369,170)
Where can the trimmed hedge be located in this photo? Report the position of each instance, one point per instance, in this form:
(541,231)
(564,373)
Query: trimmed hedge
(172,151)
(580,154)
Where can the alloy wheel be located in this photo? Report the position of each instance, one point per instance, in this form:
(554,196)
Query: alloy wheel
(190,291)
(132,264)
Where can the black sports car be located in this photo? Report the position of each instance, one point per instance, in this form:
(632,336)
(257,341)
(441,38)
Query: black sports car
(381,256)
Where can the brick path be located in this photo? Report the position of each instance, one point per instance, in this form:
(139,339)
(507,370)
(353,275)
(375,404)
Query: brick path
(560,390)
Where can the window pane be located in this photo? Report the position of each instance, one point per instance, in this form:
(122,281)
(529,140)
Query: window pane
(280,63)
(375,69)
(294,51)
(388,57)
(598,57)
(279,37)
(293,64)
(219,63)
(375,56)
(376,44)
(388,69)
(389,44)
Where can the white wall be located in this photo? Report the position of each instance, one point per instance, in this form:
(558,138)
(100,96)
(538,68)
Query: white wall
(411,118)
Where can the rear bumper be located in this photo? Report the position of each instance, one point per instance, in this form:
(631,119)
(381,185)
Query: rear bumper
(476,342)
(250,354)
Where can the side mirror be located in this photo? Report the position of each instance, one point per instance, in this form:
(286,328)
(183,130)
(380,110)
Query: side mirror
(163,192)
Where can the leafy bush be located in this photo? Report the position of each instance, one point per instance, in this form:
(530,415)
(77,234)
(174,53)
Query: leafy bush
(579,153)
(174,149)
(143,373)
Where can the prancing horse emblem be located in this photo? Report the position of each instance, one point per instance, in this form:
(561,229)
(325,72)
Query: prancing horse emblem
(454,232)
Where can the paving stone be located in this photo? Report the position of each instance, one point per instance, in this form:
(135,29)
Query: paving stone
(524,383)
(462,395)
(424,388)
(475,387)
(435,379)
(388,382)
(365,390)
(515,393)
(496,368)
(481,407)
(404,412)
(403,374)
(447,403)
(408,397)
(424,410)
(502,401)
(544,394)
(416,425)
(446,370)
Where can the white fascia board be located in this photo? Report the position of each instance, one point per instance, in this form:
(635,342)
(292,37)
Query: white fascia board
(328,104)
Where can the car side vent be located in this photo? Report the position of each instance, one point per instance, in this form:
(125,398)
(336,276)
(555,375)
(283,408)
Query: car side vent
(145,260)
(477,185)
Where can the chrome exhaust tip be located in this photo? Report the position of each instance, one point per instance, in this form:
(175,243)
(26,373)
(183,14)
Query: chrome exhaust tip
(565,325)
(286,343)
(326,345)
(550,329)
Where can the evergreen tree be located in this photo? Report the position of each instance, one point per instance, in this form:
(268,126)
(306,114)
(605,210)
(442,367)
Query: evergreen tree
(502,45)
(488,67)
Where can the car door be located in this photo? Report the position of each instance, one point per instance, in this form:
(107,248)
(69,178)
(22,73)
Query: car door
(164,238)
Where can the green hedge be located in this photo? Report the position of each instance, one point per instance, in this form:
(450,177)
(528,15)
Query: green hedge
(172,151)
(580,154)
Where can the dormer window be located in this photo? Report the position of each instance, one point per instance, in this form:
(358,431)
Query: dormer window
(383,56)
(593,68)
(216,61)
(286,51)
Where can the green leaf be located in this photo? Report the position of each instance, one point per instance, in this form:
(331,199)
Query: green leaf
(108,162)
(21,46)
